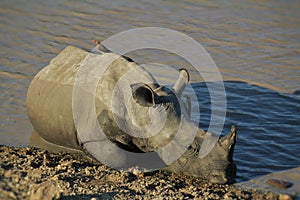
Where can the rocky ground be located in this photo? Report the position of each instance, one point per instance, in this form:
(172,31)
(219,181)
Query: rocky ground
(30,173)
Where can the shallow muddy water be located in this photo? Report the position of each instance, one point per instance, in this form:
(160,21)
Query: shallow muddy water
(250,42)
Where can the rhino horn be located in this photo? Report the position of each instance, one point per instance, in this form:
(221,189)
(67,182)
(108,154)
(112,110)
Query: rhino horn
(229,140)
(181,82)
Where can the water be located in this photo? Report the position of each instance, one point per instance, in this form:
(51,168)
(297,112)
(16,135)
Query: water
(251,42)
(267,123)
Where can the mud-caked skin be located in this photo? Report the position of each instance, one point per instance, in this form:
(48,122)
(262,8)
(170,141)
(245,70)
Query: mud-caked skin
(216,167)
(139,105)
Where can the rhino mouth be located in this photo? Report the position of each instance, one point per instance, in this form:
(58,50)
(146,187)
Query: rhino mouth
(222,176)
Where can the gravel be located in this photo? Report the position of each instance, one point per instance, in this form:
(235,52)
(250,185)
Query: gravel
(31,173)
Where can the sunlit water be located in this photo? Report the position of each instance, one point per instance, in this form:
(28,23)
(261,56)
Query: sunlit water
(251,42)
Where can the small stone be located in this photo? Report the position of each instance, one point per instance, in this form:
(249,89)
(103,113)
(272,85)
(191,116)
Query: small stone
(285,197)
(281,184)
(229,195)
(16,179)
(45,160)
(80,189)
(46,190)
(8,194)
(87,171)
(8,174)
(136,171)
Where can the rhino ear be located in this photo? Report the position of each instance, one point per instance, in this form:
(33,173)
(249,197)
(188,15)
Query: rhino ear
(143,94)
(182,81)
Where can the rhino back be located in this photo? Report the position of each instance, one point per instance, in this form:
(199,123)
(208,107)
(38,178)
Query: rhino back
(49,97)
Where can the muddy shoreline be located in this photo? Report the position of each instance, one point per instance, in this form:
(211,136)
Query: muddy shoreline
(31,173)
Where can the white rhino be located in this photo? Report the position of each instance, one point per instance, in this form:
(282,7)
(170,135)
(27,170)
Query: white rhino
(113,110)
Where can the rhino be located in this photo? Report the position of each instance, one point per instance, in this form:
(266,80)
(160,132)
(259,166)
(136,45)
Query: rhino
(140,121)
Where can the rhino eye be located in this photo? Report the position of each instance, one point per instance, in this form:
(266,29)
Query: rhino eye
(194,149)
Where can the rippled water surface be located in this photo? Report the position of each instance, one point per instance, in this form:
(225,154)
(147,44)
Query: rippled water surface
(251,42)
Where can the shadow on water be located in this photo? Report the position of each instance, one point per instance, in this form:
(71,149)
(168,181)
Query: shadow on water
(267,124)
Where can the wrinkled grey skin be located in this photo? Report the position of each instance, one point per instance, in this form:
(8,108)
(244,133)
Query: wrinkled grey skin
(49,105)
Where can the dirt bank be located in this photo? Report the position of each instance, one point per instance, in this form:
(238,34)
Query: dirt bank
(30,173)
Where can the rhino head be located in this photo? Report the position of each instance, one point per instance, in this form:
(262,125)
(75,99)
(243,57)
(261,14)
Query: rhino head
(217,166)
(155,113)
